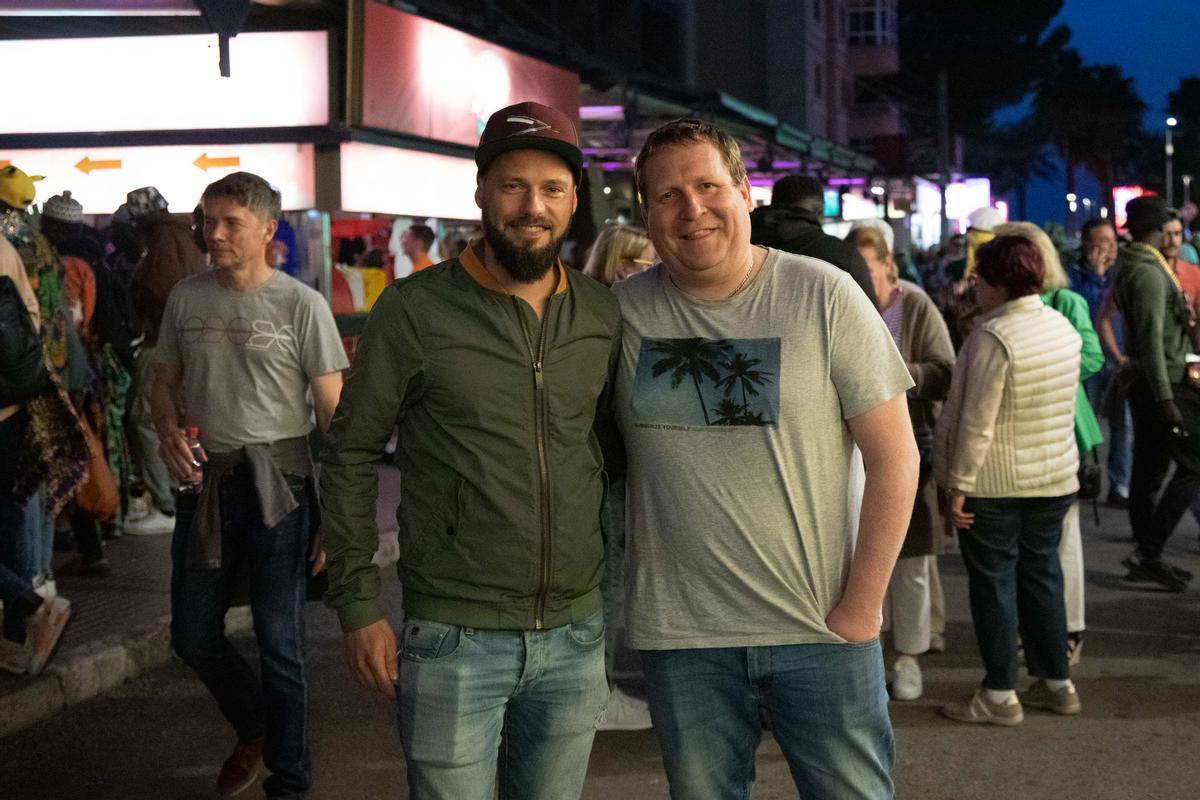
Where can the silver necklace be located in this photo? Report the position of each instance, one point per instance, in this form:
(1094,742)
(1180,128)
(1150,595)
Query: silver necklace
(738,288)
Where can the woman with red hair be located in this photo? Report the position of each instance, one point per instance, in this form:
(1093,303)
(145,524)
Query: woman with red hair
(1006,461)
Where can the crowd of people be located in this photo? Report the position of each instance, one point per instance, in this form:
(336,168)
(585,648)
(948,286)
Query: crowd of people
(82,461)
(731,442)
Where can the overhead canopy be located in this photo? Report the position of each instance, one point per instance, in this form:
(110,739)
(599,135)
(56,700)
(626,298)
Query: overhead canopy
(617,120)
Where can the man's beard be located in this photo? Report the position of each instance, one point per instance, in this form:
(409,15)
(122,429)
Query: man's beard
(523,264)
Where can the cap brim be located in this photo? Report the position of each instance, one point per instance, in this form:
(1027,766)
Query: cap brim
(487,153)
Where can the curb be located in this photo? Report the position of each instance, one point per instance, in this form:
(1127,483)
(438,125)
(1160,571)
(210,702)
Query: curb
(90,669)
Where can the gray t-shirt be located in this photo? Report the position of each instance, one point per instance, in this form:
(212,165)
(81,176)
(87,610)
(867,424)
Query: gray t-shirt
(744,485)
(248,357)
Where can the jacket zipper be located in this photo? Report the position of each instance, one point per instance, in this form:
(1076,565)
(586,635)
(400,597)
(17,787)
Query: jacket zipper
(537,358)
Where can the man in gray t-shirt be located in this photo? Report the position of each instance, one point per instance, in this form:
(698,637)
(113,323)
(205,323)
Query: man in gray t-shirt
(760,542)
(252,354)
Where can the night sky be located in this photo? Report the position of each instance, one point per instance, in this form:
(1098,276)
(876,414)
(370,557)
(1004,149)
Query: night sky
(1154,41)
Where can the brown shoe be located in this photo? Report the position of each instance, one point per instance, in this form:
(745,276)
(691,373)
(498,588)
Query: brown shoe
(240,770)
(45,629)
(1063,701)
(981,710)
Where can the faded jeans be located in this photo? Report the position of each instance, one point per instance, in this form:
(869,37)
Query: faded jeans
(477,707)
(828,707)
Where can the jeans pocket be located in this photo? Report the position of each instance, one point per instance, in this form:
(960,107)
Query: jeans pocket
(424,640)
(589,632)
(858,645)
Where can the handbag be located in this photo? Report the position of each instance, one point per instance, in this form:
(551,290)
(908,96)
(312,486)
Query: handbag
(1090,478)
(98,496)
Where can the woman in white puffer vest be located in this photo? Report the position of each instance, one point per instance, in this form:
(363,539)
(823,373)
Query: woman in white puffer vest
(1006,461)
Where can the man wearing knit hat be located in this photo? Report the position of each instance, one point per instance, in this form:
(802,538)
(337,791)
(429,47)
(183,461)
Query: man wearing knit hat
(170,254)
(1165,404)
(491,366)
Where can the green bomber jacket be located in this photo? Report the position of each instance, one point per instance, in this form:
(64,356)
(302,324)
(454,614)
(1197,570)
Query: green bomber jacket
(501,468)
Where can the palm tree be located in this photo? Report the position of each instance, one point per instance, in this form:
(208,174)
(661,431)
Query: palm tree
(728,412)
(1093,114)
(740,371)
(696,358)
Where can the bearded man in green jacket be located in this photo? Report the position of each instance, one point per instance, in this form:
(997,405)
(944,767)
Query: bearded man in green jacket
(1165,408)
(491,366)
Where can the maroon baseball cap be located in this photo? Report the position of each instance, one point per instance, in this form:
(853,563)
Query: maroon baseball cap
(530,126)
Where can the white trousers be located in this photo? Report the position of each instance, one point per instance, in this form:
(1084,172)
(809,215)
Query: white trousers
(907,605)
(1070,555)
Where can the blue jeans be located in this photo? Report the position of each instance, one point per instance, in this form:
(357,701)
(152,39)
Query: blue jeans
(524,704)
(1016,585)
(828,706)
(15,569)
(612,585)
(1120,438)
(276,709)
(17,556)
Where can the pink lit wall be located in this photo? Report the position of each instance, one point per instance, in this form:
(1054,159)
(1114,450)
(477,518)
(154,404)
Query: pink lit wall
(426,79)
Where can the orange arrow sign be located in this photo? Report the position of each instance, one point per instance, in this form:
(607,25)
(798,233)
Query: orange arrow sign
(204,162)
(86,165)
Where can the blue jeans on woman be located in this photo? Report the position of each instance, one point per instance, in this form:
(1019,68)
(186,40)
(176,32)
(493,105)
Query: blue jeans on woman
(828,707)
(1016,585)
(276,709)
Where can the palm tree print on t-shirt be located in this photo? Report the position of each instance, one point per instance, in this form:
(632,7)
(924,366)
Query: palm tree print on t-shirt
(708,382)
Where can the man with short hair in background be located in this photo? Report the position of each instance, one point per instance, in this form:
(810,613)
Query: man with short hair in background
(245,346)
(1091,277)
(758,558)
(1172,250)
(792,222)
(415,243)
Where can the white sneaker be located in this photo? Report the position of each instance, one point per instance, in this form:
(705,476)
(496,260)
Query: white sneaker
(153,523)
(907,685)
(45,586)
(138,508)
(624,713)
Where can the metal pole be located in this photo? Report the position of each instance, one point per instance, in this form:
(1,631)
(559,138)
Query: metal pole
(1170,179)
(943,137)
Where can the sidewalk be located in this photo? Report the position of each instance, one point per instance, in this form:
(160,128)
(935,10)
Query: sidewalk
(119,624)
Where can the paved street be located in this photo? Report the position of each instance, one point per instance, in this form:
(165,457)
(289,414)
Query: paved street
(160,736)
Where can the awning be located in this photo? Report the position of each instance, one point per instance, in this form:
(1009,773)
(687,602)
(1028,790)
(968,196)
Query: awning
(616,121)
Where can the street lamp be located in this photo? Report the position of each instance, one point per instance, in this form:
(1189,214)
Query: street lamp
(1170,149)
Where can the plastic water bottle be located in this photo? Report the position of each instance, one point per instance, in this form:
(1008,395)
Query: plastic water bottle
(193,442)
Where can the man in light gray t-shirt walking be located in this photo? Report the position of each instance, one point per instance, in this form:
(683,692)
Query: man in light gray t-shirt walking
(760,545)
(245,347)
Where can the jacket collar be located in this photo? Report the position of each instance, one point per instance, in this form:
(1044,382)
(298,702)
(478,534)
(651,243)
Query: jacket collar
(1029,302)
(472,261)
